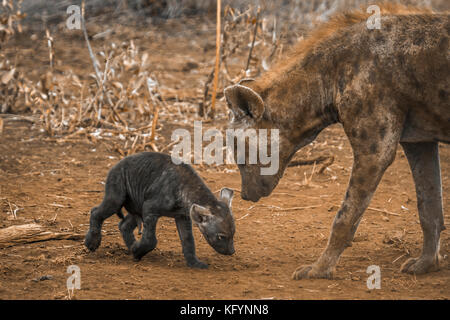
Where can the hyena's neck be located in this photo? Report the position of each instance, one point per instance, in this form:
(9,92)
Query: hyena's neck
(300,101)
(195,191)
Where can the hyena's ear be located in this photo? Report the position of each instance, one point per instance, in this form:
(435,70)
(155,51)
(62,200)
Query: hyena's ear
(199,214)
(226,195)
(244,102)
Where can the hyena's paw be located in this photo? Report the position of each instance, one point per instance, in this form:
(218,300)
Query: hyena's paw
(197,264)
(137,251)
(312,272)
(141,248)
(420,265)
(93,240)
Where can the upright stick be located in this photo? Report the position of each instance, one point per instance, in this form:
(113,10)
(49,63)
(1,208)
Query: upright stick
(91,53)
(216,69)
(255,31)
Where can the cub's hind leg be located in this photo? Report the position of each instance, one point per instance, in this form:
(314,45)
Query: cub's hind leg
(112,204)
(424,162)
(148,240)
(126,227)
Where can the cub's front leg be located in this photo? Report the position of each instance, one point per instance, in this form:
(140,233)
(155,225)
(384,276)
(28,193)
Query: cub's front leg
(184,227)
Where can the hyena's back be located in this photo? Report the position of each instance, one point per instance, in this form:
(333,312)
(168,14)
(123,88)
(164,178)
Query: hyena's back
(407,61)
(421,81)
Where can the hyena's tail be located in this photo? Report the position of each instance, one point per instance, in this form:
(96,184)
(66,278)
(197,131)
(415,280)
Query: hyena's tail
(139,221)
(120,214)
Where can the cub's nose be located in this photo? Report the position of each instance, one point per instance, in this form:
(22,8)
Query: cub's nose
(227,251)
(230,250)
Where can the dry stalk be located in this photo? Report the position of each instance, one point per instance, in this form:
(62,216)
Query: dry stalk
(91,53)
(51,50)
(216,68)
(255,31)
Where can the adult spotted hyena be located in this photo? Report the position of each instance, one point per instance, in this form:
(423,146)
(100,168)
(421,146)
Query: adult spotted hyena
(385,86)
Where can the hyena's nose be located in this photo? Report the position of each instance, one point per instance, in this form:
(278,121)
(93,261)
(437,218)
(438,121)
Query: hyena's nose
(249,197)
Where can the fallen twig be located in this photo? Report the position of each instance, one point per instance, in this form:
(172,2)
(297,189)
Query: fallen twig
(298,208)
(17,117)
(57,205)
(307,162)
(384,211)
(399,258)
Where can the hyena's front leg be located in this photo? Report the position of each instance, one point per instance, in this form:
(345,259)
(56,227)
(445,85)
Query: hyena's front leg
(424,162)
(184,227)
(372,156)
(366,175)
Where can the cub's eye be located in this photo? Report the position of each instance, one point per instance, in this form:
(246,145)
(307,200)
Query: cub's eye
(221,237)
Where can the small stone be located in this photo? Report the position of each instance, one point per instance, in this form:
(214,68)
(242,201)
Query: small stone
(43,278)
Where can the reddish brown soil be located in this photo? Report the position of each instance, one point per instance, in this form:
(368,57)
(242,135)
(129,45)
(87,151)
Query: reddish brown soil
(270,244)
(37,172)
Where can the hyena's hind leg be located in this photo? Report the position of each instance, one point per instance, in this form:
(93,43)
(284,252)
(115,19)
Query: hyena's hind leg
(112,204)
(126,227)
(148,240)
(424,162)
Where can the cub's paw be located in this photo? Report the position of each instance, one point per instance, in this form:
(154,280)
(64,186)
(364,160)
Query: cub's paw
(92,240)
(312,272)
(197,265)
(420,265)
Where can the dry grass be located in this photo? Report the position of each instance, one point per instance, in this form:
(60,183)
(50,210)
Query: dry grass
(122,101)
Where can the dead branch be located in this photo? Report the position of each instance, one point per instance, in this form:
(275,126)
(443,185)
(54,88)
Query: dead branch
(28,233)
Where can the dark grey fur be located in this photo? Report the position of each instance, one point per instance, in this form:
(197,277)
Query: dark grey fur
(149,185)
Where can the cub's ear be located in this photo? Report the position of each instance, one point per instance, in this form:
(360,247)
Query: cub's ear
(199,214)
(244,102)
(226,195)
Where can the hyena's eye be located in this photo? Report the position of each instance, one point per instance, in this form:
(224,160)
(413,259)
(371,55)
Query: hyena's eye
(221,237)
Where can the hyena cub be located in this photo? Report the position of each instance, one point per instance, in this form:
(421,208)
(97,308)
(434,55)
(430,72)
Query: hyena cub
(149,185)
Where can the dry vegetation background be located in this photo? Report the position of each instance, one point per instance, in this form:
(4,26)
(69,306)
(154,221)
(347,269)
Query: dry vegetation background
(117,95)
(67,114)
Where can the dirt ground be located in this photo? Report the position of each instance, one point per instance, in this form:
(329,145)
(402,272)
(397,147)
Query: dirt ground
(56,183)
